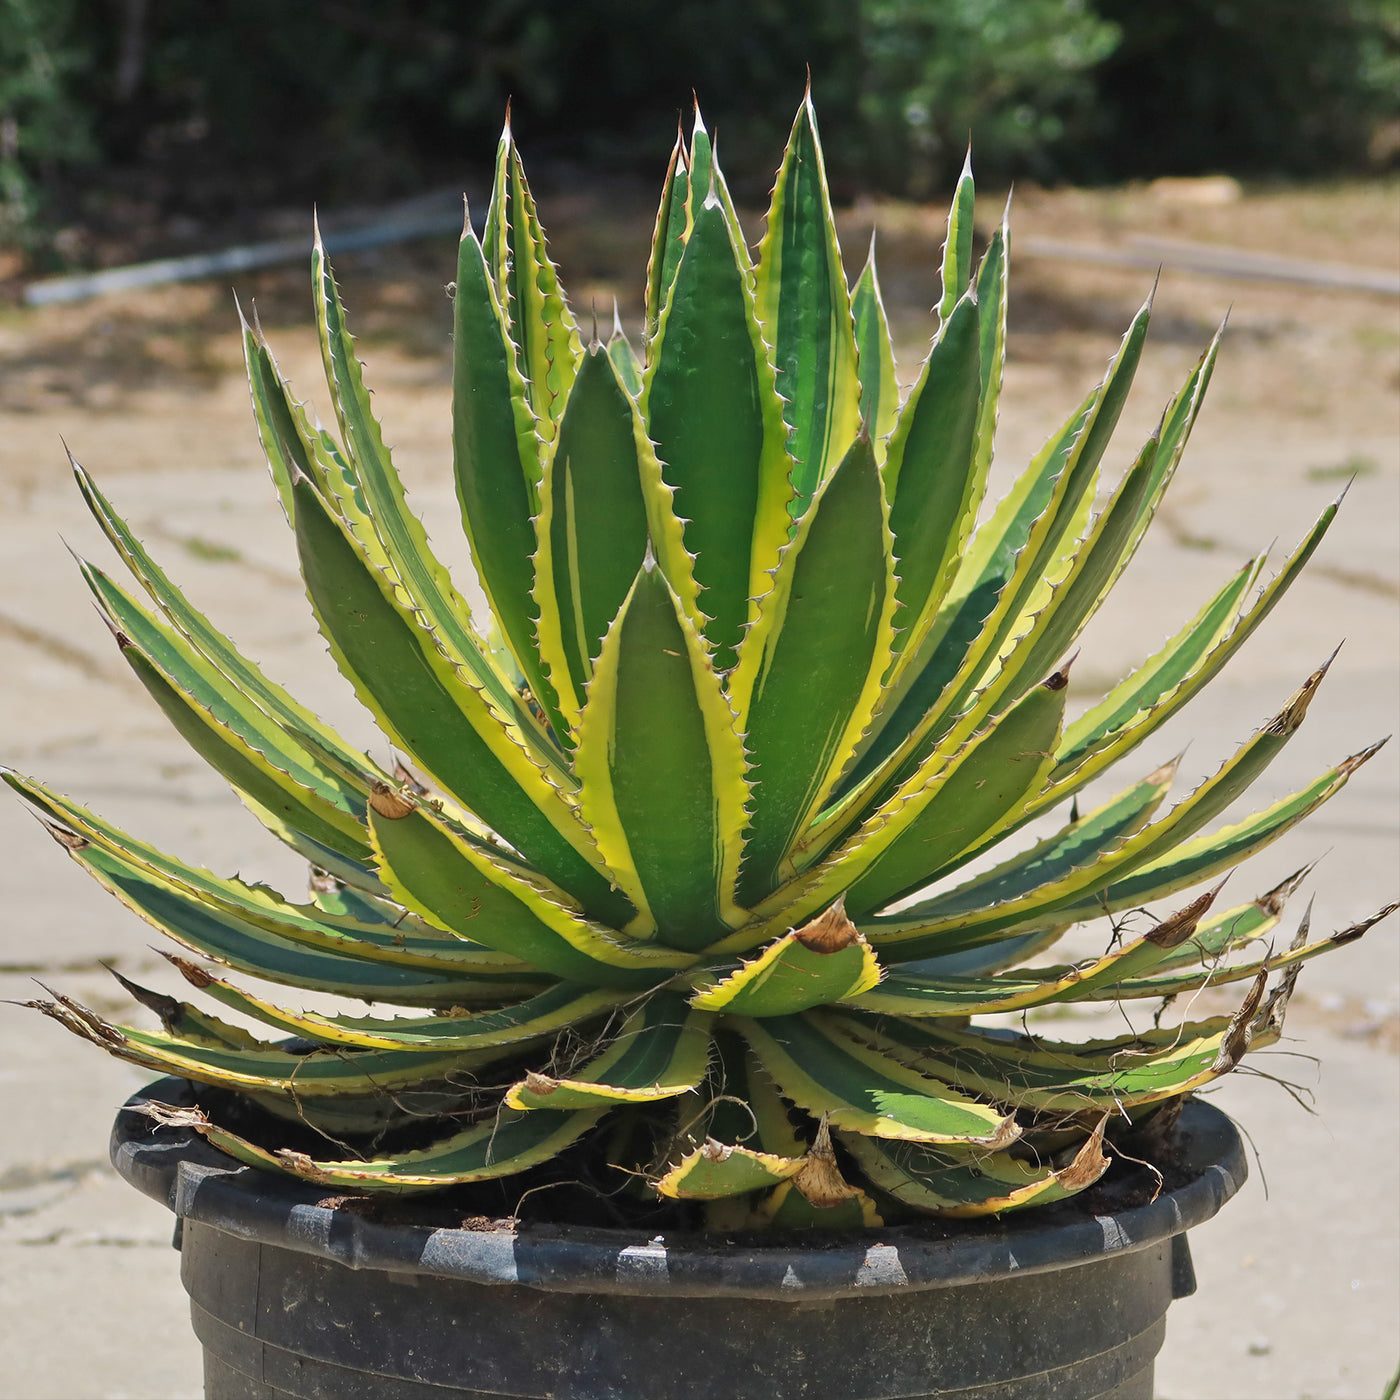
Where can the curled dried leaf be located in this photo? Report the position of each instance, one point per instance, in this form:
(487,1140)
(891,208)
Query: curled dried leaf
(830,931)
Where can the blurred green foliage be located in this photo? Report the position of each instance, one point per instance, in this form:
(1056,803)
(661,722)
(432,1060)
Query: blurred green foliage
(205,106)
(1014,75)
(43,56)
(1252,87)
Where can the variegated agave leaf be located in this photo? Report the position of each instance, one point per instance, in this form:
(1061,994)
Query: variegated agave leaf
(676,870)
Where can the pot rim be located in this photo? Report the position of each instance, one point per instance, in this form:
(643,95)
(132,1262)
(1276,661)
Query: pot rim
(196,1181)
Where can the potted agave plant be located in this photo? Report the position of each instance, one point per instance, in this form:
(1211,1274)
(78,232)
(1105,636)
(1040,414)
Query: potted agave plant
(678,1088)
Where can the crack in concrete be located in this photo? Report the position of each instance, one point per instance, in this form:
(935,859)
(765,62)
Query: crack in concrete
(72,1237)
(1361,580)
(214,552)
(49,969)
(26,1176)
(58,650)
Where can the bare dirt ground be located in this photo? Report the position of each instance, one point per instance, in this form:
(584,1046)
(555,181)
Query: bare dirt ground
(1299,1287)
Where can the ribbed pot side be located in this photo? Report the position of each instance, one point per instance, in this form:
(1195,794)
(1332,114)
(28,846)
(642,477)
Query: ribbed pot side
(290,1298)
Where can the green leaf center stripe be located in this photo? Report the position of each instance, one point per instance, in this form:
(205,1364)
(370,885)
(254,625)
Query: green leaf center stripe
(879,386)
(806,312)
(809,670)
(663,770)
(714,414)
(592,527)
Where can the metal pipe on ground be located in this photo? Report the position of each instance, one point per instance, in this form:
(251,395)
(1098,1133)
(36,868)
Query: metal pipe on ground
(422,221)
(196,266)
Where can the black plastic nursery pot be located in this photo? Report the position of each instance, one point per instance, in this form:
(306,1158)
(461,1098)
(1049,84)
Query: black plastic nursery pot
(291,1297)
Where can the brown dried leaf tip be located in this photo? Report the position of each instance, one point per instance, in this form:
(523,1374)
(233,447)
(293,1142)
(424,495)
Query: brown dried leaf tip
(1090,1162)
(716,1151)
(1240,1031)
(1291,716)
(191,972)
(830,931)
(389,803)
(1272,903)
(1354,931)
(69,840)
(169,1009)
(820,1179)
(1175,930)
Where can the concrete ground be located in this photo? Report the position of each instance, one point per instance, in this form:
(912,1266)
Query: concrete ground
(1299,1286)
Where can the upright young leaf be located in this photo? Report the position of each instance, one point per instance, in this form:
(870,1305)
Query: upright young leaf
(957,245)
(496,458)
(991,314)
(806,313)
(442,722)
(624,357)
(662,770)
(668,239)
(392,537)
(714,414)
(879,388)
(930,471)
(541,325)
(592,526)
(706,181)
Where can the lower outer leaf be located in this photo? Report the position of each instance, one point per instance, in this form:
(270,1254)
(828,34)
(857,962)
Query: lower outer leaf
(965,1185)
(267,1069)
(1051,1078)
(825,1070)
(661,1050)
(718,1169)
(505,1144)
